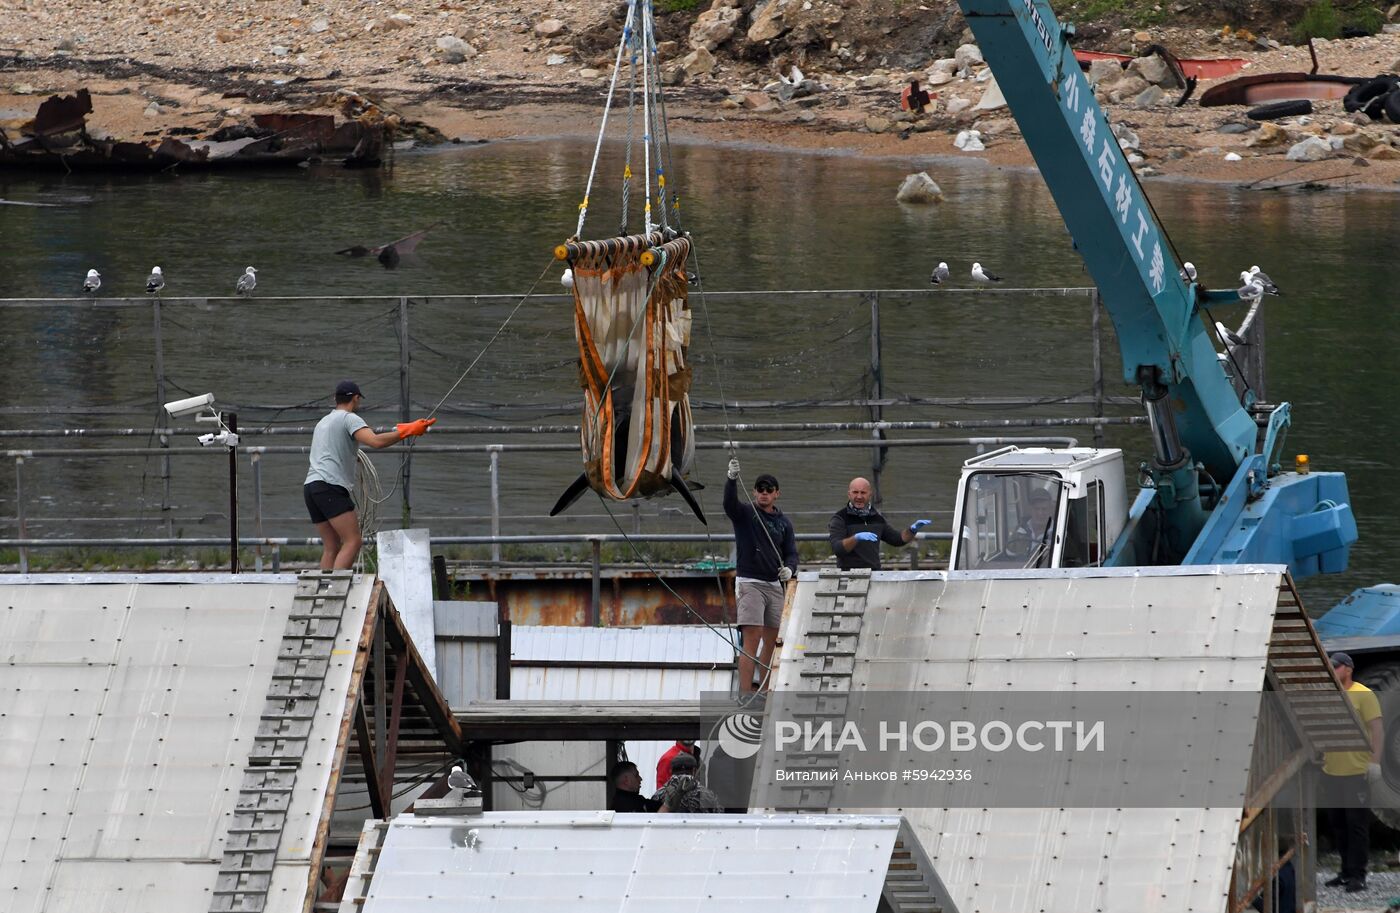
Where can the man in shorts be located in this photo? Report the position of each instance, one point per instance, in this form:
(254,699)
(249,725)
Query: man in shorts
(766,547)
(331,477)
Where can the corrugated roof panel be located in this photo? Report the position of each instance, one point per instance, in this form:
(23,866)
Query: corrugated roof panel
(136,704)
(603,863)
(1181,629)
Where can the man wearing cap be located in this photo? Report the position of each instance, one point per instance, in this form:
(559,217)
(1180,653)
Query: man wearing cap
(663,766)
(331,476)
(766,546)
(1346,783)
(683,792)
(857,530)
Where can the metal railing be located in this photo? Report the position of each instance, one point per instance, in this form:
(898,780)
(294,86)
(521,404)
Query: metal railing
(261,439)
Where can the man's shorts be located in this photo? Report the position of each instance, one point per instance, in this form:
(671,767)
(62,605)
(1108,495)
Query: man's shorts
(759,602)
(324,500)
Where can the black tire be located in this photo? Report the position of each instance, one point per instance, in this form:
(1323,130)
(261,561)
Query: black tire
(1274,110)
(1362,95)
(1384,680)
(1392,106)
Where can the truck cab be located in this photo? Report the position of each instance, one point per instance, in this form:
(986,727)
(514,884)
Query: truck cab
(1038,507)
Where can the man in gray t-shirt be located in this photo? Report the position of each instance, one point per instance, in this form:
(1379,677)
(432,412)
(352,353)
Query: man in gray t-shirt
(331,476)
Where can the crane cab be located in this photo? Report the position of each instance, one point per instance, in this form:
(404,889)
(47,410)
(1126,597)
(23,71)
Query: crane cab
(1038,508)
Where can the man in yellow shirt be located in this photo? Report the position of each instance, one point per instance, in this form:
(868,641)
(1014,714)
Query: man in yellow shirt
(1346,783)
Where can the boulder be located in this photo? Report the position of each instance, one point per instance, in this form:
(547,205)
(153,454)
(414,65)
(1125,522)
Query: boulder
(1232,157)
(320,24)
(877,124)
(1149,97)
(769,22)
(1344,128)
(398,21)
(937,78)
(714,27)
(873,82)
(1127,139)
(956,105)
(453,49)
(1383,153)
(1359,142)
(697,63)
(991,99)
(947,65)
(1312,149)
(1104,71)
(919,188)
(968,55)
(969,141)
(1130,85)
(549,28)
(1268,135)
(1153,69)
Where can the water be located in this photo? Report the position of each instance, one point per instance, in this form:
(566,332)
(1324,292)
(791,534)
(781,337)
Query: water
(764,220)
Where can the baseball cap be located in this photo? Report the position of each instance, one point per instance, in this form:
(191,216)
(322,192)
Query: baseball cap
(347,388)
(765,479)
(1342,659)
(684,761)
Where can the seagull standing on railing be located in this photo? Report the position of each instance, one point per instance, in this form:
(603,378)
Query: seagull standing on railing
(248,281)
(93,282)
(939,274)
(156,282)
(1264,281)
(981,275)
(1228,336)
(1252,287)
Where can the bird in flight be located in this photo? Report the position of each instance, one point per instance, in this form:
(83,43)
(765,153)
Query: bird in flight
(93,282)
(156,282)
(939,274)
(981,275)
(248,281)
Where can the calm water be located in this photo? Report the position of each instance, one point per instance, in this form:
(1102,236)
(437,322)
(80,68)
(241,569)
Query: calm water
(763,220)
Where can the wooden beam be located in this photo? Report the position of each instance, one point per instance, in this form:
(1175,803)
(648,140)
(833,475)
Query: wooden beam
(1256,803)
(391,751)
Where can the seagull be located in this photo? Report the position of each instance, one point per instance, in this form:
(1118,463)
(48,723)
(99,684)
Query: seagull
(248,281)
(567,280)
(795,79)
(981,275)
(1252,287)
(1228,336)
(1264,281)
(156,282)
(1188,271)
(93,282)
(939,274)
(460,779)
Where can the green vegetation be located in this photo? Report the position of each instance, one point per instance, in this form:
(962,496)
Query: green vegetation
(1129,12)
(1319,20)
(677,6)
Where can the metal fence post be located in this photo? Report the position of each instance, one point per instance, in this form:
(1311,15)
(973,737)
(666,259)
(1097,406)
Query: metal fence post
(257,509)
(404,408)
(1095,311)
(877,390)
(161,419)
(495,505)
(19,514)
(595,609)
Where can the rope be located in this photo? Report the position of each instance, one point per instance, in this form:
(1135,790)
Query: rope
(627,162)
(368,495)
(646,111)
(602,128)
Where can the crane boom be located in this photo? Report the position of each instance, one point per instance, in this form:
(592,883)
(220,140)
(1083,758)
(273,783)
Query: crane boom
(1124,247)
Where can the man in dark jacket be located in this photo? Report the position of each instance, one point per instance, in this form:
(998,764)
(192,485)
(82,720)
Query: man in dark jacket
(766,547)
(627,790)
(857,530)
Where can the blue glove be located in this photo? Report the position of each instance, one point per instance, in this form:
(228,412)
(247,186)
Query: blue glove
(867,537)
(919,524)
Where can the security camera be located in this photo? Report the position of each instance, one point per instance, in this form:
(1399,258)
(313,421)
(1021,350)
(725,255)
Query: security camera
(223,438)
(183,407)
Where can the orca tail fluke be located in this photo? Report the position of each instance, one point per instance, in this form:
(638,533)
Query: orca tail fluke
(570,495)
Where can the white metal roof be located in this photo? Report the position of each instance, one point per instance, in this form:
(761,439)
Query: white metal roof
(598,862)
(1191,629)
(128,710)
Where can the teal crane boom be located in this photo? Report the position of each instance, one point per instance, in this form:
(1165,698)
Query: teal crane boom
(1201,428)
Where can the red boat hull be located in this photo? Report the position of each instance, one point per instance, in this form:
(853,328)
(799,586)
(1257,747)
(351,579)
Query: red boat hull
(1201,68)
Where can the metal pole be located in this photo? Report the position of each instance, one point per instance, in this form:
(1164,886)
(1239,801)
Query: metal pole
(404,406)
(1095,310)
(495,505)
(161,418)
(877,412)
(595,609)
(19,513)
(257,508)
(231,420)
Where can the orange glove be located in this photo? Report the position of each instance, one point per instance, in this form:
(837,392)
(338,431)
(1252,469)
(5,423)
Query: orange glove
(415,428)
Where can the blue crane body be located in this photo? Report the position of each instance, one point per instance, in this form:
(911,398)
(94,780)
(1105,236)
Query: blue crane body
(1216,492)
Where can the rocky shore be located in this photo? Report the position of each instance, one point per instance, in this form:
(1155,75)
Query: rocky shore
(538,68)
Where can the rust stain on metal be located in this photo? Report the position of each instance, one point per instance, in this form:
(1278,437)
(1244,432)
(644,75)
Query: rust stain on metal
(564,598)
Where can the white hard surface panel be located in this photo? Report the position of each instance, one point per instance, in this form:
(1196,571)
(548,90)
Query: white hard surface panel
(526,862)
(1185,629)
(129,710)
(406,567)
(638,657)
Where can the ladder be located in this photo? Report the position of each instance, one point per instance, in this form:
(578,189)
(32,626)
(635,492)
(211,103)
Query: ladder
(284,727)
(911,884)
(824,687)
